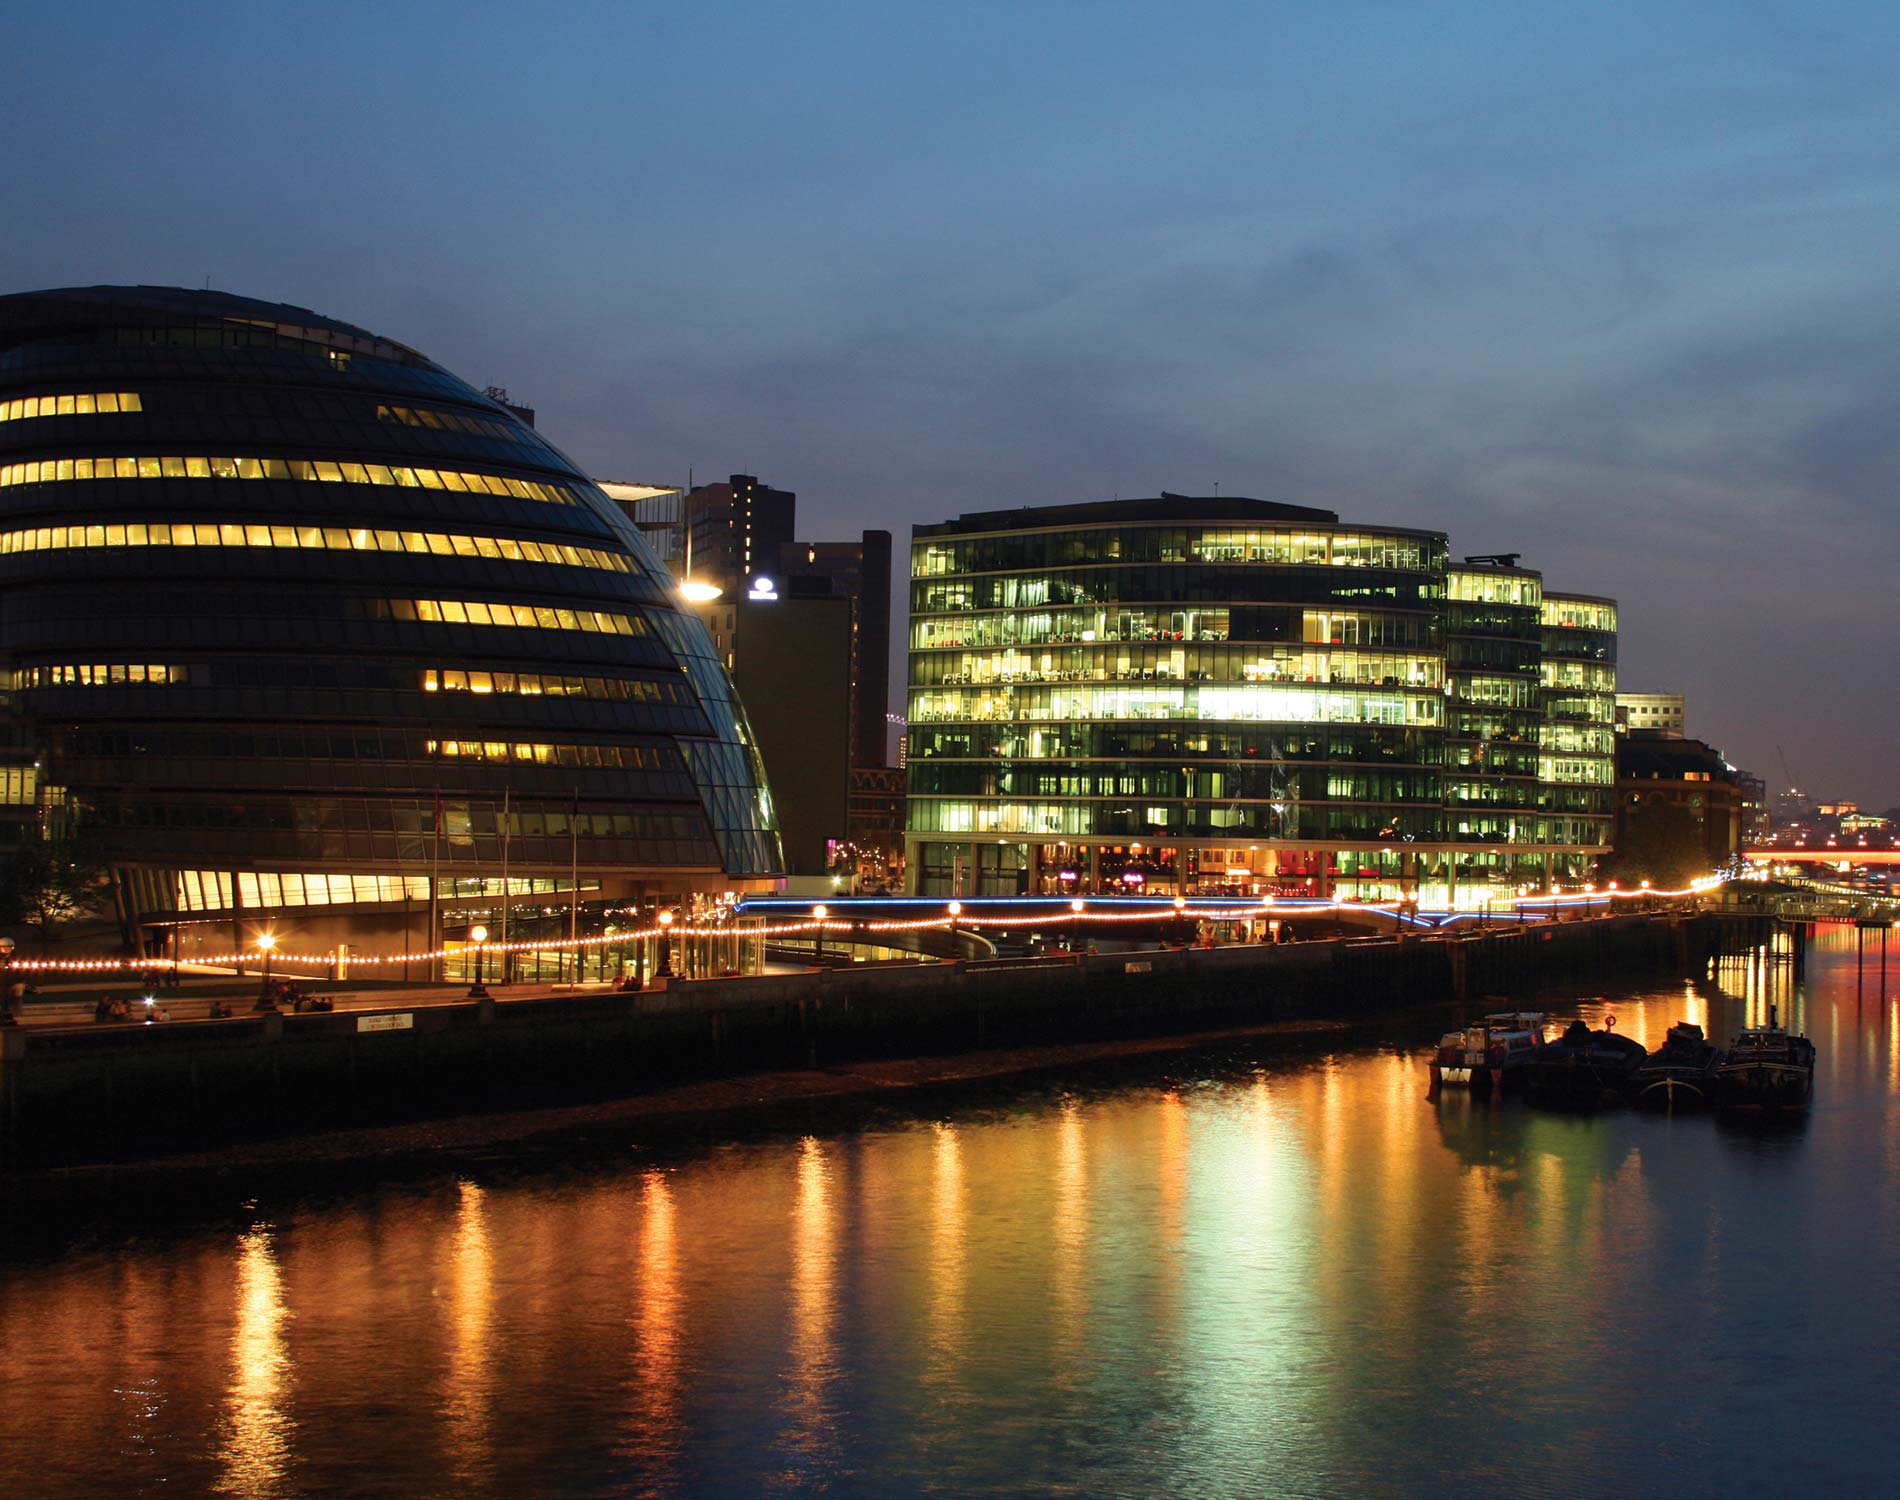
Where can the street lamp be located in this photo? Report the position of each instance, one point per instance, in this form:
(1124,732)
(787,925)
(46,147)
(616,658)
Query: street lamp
(665,970)
(478,936)
(7,1017)
(266,942)
(955,909)
(819,913)
(1075,927)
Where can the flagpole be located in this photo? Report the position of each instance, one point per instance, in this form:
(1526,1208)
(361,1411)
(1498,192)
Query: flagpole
(435,886)
(574,881)
(506,966)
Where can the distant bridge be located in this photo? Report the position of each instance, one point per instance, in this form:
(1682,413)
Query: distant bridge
(1822,854)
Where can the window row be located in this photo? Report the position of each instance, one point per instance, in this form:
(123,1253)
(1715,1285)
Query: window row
(1116,742)
(1263,702)
(1155,820)
(444,421)
(461,824)
(83,403)
(1023,551)
(388,747)
(1211,582)
(60,470)
(521,616)
(218,890)
(541,753)
(535,684)
(323,538)
(1181,664)
(1265,623)
(1483,586)
(98,674)
(1260,783)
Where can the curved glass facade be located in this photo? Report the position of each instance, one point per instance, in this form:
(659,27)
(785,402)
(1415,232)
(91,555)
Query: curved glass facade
(1221,695)
(298,605)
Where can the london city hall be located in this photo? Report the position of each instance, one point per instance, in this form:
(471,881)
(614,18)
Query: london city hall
(289,615)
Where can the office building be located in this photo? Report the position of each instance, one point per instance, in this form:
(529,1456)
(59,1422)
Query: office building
(1656,713)
(289,615)
(1231,695)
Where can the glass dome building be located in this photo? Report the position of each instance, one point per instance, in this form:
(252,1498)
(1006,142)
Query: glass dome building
(290,617)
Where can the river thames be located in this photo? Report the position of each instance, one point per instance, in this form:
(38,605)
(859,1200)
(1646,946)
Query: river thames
(1224,1273)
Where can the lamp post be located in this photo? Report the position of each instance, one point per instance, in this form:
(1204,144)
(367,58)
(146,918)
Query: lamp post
(7,1017)
(1180,918)
(819,913)
(266,943)
(1075,927)
(665,970)
(478,936)
(955,909)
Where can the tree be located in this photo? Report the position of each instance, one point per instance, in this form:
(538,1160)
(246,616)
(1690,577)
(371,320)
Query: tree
(52,881)
(1660,842)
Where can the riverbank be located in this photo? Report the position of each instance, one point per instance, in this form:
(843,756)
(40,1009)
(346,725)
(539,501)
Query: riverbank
(213,1183)
(82,1096)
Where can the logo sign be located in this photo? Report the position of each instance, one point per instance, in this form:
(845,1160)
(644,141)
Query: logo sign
(386,1023)
(763,588)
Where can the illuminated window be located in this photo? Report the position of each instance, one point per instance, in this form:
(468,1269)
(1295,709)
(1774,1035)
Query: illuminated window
(538,684)
(83,404)
(60,470)
(520,616)
(330,538)
(101,674)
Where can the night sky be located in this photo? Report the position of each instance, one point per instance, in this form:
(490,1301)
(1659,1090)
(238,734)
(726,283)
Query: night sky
(1612,287)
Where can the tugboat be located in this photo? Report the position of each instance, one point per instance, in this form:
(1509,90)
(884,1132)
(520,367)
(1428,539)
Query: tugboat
(1680,1074)
(1766,1068)
(1486,1056)
(1581,1068)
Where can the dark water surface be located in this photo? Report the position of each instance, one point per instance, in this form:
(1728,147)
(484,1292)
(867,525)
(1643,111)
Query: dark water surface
(1239,1276)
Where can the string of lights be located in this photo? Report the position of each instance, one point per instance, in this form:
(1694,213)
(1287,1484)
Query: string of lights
(822,922)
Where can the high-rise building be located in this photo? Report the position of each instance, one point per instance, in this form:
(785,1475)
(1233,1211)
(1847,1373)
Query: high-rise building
(859,571)
(791,665)
(1192,694)
(298,625)
(1577,761)
(736,531)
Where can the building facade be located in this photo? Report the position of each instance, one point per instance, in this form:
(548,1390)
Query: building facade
(1231,695)
(299,626)
(859,571)
(1657,713)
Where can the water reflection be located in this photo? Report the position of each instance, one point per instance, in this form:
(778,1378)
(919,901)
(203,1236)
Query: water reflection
(468,1385)
(1234,1275)
(255,1451)
(810,1403)
(654,1437)
(1069,1244)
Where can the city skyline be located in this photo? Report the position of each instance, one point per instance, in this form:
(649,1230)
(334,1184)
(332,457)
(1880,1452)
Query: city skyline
(1601,295)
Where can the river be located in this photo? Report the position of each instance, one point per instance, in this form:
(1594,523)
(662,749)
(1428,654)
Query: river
(1226,1273)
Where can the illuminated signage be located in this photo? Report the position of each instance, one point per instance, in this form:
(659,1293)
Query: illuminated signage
(763,588)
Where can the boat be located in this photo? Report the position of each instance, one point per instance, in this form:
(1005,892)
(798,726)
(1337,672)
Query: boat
(1680,1074)
(1766,1068)
(1581,1068)
(1486,1056)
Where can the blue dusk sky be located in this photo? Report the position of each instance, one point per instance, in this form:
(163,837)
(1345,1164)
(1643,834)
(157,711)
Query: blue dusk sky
(1611,286)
